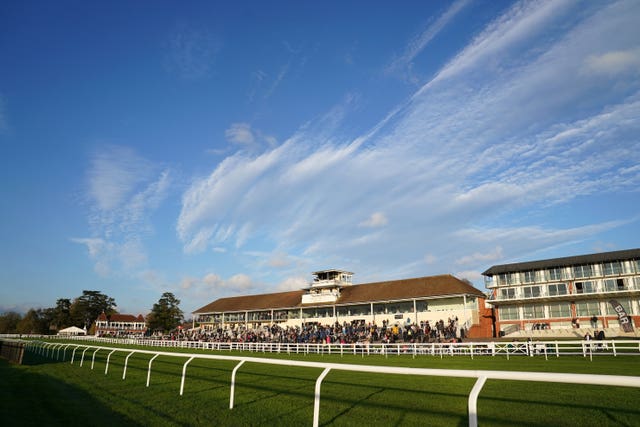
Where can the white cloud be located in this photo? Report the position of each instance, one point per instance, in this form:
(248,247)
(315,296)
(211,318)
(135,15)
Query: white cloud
(115,172)
(482,257)
(199,242)
(292,284)
(615,62)
(279,260)
(430,259)
(198,291)
(124,189)
(95,246)
(420,42)
(240,133)
(377,219)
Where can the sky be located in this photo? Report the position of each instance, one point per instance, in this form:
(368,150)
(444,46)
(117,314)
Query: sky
(213,149)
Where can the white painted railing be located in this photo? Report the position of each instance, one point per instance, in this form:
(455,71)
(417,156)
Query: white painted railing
(48,349)
(493,348)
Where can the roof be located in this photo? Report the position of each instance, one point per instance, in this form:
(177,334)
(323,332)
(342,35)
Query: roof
(72,330)
(421,287)
(331,270)
(116,317)
(254,302)
(564,262)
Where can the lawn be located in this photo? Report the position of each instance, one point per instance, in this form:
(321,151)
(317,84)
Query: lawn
(49,392)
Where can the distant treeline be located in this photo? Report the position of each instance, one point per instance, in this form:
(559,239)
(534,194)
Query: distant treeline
(81,312)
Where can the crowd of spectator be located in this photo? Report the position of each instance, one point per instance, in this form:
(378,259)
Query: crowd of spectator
(357,331)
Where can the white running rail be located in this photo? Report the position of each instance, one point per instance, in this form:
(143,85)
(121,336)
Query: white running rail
(42,348)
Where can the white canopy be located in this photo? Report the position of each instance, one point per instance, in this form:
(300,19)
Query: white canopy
(72,330)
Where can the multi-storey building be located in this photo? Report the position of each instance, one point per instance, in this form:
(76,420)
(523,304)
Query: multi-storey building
(332,297)
(120,324)
(566,292)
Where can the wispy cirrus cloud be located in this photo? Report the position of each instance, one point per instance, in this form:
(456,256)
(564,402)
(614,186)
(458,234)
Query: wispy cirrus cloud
(123,189)
(191,52)
(493,138)
(403,63)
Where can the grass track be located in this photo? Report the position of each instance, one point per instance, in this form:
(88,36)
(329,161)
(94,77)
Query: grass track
(45,392)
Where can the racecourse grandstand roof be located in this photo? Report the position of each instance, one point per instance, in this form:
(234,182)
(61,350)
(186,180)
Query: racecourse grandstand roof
(116,317)
(393,290)
(564,262)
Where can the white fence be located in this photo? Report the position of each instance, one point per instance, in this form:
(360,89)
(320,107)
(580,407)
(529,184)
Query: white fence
(53,349)
(470,349)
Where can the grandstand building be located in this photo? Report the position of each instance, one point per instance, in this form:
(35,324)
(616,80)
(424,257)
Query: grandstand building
(120,325)
(566,293)
(332,297)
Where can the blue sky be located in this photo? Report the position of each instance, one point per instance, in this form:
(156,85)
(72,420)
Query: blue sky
(212,150)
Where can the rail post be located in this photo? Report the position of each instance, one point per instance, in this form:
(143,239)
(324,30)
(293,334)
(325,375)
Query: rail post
(93,358)
(473,401)
(126,360)
(106,368)
(184,372)
(233,384)
(316,397)
(149,369)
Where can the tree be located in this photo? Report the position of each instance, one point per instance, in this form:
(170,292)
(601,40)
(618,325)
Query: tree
(165,314)
(34,322)
(9,322)
(86,308)
(61,314)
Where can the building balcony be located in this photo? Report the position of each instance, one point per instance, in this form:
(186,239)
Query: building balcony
(545,296)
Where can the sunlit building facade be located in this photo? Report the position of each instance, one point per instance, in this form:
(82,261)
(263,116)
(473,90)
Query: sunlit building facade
(332,297)
(120,325)
(565,293)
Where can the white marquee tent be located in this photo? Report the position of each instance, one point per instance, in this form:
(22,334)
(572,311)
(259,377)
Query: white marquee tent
(72,330)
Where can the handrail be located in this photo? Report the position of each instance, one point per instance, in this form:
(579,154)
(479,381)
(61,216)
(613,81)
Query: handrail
(481,375)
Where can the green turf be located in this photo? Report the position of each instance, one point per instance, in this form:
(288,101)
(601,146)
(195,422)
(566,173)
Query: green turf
(49,392)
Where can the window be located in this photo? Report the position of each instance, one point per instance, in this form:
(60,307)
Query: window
(532,292)
(626,304)
(280,315)
(555,273)
(585,287)
(507,278)
(378,309)
(508,313)
(360,310)
(580,271)
(558,289)
(560,309)
(294,314)
(587,308)
(529,277)
(422,306)
(612,268)
(509,293)
(533,311)
(612,285)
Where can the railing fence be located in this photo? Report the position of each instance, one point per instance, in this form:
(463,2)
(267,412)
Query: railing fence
(47,349)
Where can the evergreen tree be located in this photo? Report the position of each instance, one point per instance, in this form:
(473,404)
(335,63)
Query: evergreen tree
(86,308)
(165,314)
(61,313)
